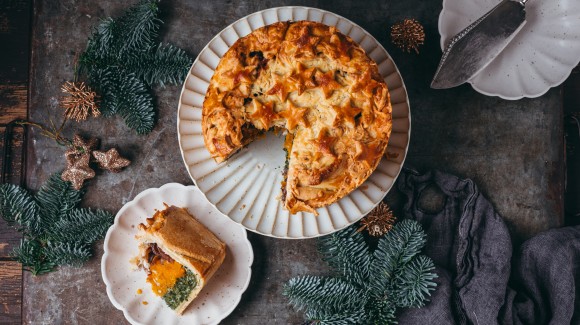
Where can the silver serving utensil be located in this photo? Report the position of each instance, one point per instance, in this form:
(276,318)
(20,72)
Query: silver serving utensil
(472,49)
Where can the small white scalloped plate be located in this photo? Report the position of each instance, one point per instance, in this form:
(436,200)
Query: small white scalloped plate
(222,293)
(540,56)
(247,186)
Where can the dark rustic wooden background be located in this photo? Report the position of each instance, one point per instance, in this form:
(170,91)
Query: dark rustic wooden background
(514,150)
(15,27)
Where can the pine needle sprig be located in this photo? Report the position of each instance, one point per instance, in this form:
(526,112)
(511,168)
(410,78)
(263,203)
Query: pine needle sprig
(123,60)
(18,208)
(323,295)
(56,198)
(340,318)
(414,282)
(56,232)
(396,249)
(31,255)
(67,253)
(370,286)
(138,28)
(167,64)
(82,225)
(347,254)
(381,311)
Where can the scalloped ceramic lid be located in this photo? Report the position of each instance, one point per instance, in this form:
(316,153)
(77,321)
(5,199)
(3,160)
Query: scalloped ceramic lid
(246,187)
(540,56)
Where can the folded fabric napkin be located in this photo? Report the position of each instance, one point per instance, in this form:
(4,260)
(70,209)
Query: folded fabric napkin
(481,280)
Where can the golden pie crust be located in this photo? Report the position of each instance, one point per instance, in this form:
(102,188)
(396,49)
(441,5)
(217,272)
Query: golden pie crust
(321,88)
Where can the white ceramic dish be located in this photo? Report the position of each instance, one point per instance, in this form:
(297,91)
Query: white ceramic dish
(223,292)
(247,186)
(541,55)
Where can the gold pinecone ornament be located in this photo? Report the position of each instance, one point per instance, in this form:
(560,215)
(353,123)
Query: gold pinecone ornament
(379,221)
(408,35)
(79,101)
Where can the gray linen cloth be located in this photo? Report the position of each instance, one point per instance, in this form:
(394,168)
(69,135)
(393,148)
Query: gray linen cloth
(481,281)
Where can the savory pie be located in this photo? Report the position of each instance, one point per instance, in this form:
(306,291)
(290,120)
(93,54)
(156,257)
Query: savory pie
(317,85)
(179,254)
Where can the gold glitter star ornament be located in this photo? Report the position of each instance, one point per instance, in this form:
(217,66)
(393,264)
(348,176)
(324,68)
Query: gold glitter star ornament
(379,221)
(110,160)
(77,169)
(408,35)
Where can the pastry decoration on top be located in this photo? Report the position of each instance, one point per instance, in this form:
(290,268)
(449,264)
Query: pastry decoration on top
(321,88)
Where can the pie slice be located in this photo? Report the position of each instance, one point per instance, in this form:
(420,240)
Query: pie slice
(319,87)
(179,254)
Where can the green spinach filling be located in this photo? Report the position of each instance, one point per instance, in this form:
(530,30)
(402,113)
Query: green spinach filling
(181,290)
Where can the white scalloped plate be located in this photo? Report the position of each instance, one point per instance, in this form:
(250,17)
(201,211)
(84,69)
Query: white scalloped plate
(222,293)
(247,186)
(540,56)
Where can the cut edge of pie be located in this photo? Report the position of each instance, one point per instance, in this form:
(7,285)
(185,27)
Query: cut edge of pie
(318,86)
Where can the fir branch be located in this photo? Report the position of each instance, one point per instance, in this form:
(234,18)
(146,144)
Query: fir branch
(125,94)
(122,60)
(30,254)
(381,311)
(67,253)
(82,226)
(394,250)
(341,318)
(107,80)
(138,28)
(136,104)
(166,65)
(370,286)
(100,44)
(56,198)
(414,282)
(18,207)
(56,232)
(348,254)
(326,296)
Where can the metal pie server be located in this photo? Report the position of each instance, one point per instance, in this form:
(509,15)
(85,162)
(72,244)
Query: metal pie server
(472,49)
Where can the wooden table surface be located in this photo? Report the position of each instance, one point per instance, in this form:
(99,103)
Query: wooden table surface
(514,150)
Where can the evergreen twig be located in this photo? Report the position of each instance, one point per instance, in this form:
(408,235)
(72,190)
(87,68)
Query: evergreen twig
(123,60)
(347,254)
(371,285)
(56,232)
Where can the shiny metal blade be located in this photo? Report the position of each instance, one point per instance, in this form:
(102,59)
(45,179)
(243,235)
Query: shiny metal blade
(477,45)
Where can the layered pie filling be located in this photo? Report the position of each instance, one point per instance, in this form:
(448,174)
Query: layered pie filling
(168,279)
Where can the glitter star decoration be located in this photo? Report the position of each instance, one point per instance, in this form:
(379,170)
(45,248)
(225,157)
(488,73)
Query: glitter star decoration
(77,170)
(82,145)
(379,221)
(408,35)
(110,160)
(79,101)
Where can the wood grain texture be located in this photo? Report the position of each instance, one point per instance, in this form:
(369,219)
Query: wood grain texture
(13,102)
(10,292)
(15,26)
(12,149)
(15,40)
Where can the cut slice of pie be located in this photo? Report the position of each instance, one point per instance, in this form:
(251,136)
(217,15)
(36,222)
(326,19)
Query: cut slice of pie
(179,254)
(321,88)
